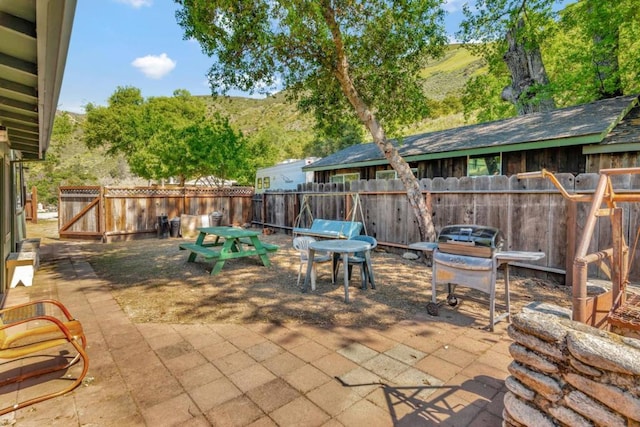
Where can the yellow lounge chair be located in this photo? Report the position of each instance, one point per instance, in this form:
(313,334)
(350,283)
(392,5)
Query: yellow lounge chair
(26,331)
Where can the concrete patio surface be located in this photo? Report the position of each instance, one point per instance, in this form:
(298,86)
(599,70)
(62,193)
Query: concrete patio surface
(421,372)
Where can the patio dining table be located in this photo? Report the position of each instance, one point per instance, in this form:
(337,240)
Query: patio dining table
(342,248)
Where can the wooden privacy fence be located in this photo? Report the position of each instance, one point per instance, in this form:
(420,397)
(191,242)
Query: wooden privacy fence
(531,213)
(31,205)
(110,213)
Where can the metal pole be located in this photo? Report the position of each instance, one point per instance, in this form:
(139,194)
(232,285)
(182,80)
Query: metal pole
(579,283)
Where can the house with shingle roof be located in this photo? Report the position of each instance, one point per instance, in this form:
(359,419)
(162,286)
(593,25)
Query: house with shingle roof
(579,139)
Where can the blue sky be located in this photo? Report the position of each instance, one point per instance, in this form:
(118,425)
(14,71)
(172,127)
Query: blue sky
(138,43)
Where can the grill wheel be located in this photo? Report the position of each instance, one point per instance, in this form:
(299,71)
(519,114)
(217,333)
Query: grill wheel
(433,308)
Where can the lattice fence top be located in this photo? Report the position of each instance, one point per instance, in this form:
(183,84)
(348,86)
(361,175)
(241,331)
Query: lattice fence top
(80,190)
(178,191)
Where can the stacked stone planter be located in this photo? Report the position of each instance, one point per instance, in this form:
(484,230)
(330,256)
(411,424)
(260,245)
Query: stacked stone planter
(568,373)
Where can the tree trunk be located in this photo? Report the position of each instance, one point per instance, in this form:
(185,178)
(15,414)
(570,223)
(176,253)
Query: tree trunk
(604,26)
(528,76)
(410,182)
(367,116)
(607,66)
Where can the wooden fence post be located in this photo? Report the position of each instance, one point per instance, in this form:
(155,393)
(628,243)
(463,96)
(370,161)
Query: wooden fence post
(34,204)
(572,219)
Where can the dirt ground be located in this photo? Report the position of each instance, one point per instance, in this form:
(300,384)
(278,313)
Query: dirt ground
(153,282)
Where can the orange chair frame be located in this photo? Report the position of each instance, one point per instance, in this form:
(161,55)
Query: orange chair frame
(49,332)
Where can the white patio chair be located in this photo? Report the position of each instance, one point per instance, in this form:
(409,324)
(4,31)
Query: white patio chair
(301,244)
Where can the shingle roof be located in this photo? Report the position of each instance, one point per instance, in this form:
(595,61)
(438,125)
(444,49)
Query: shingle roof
(627,131)
(581,124)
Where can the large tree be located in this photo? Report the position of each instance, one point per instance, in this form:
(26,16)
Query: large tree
(164,137)
(511,31)
(589,48)
(339,57)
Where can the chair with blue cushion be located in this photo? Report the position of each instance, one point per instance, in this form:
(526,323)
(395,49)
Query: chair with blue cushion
(359,258)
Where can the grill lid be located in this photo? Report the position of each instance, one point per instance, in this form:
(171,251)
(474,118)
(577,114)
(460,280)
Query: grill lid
(471,240)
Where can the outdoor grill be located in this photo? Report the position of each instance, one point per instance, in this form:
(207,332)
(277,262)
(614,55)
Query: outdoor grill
(465,256)
(470,255)
(470,240)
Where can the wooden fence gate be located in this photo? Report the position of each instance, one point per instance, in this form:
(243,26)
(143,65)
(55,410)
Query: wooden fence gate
(81,217)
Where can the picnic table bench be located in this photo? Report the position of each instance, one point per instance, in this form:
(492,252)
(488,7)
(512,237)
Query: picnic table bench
(201,250)
(331,229)
(232,243)
(270,247)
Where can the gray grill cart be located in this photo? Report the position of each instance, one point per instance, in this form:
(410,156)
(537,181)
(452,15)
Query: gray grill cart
(470,255)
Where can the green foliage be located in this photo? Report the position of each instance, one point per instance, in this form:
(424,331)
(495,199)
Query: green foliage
(199,149)
(449,105)
(484,31)
(340,135)
(487,21)
(273,127)
(116,126)
(482,99)
(272,120)
(163,137)
(596,53)
(590,50)
(260,43)
(274,145)
(62,166)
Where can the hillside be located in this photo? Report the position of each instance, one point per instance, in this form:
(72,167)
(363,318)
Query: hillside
(448,75)
(443,77)
(250,114)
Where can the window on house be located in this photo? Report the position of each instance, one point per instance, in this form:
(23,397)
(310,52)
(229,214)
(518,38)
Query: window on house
(388,174)
(345,177)
(266,182)
(482,165)
(259,184)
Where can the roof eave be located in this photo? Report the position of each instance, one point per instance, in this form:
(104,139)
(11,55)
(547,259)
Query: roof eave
(374,162)
(522,146)
(54,21)
(611,148)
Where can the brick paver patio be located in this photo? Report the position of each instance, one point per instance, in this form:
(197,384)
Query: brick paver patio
(426,371)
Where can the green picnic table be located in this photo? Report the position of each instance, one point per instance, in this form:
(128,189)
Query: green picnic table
(230,243)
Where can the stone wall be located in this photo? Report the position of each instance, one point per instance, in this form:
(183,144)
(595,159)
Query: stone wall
(568,373)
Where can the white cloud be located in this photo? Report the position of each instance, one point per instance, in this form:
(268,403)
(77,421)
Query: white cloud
(136,4)
(454,5)
(154,66)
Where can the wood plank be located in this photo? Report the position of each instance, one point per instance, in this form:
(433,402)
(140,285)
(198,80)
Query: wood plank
(586,183)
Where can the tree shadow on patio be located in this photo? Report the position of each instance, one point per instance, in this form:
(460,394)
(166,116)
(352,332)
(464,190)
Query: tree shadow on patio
(432,405)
